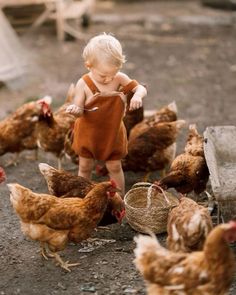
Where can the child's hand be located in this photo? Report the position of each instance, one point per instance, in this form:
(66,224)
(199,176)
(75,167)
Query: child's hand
(135,103)
(74,109)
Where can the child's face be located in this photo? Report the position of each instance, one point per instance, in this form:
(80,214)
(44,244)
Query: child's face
(103,74)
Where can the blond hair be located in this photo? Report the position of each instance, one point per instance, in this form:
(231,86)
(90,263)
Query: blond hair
(104,48)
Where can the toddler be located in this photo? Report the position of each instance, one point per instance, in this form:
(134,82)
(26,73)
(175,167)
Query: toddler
(101,134)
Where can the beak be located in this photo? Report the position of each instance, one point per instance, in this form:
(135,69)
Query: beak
(114,190)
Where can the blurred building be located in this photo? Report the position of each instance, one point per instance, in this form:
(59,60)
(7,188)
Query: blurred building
(13,60)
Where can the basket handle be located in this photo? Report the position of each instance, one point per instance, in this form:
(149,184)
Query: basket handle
(149,194)
(142,184)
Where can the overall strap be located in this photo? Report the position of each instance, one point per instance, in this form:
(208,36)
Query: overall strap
(131,85)
(90,84)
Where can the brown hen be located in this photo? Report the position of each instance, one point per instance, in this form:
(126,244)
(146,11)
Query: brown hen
(146,151)
(188,171)
(17,131)
(188,226)
(53,127)
(206,272)
(66,185)
(165,114)
(54,221)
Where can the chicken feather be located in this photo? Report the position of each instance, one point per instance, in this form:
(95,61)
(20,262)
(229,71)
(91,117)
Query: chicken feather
(150,143)
(188,171)
(55,221)
(188,226)
(17,131)
(206,272)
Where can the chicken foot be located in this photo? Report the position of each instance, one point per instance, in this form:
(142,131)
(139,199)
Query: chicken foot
(63,264)
(14,161)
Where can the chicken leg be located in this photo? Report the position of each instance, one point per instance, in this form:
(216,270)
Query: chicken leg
(43,251)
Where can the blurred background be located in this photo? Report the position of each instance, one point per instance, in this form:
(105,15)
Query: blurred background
(182,50)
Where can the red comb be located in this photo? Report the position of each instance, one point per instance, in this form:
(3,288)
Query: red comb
(42,101)
(2,175)
(233,223)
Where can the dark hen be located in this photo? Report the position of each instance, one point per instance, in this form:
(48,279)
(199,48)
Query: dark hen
(189,171)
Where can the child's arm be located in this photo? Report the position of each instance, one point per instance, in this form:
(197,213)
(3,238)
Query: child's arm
(79,99)
(136,101)
(139,92)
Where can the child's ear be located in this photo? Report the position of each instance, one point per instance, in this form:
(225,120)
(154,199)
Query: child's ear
(87,65)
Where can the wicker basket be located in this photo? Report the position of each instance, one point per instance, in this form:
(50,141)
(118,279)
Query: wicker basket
(147,208)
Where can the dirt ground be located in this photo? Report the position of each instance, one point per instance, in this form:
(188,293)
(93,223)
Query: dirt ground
(181,51)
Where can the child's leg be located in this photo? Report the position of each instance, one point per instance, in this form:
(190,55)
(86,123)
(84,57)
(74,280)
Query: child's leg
(85,167)
(116,173)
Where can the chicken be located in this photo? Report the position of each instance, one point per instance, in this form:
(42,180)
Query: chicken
(206,272)
(188,171)
(145,152)
(17,131)
(188,226)
(69,151)
(55,221)
(158,159)
(64,184)
(2,175)
(165,114)
(132,118)
(53,127)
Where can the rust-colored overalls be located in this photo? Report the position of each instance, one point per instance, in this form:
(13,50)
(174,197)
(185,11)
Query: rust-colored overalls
(101,134)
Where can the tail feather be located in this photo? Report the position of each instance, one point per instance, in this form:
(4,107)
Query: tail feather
(180,124)
(29,206)
(147,254)
(173,107)
(46,169)
(193,127)
(145,244)
(148,246)
(193,130)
